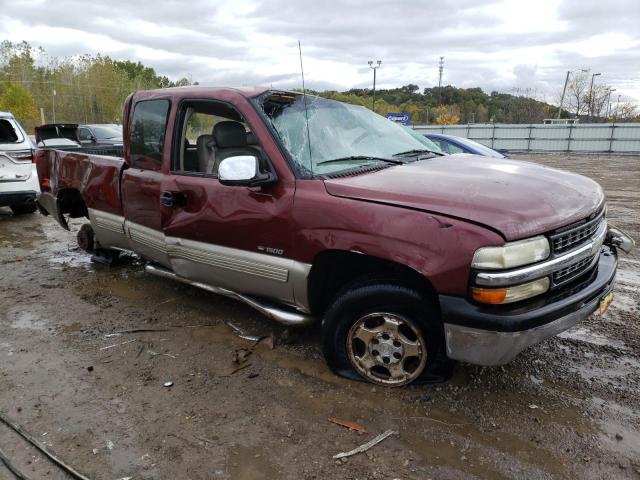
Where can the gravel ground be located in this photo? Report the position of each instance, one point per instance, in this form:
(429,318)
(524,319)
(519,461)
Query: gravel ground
(567,408)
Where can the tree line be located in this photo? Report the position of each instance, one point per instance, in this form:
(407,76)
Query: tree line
(92,88)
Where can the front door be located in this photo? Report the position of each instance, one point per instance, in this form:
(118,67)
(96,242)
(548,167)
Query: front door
(227,236)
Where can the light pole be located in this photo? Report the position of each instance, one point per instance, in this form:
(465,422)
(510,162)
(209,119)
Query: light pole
(374,67)
(591,96)
(564,90)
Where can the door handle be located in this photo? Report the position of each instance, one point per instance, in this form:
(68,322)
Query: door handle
(172,199)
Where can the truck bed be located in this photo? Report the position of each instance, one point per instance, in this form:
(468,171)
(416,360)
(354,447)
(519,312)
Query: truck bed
(74,181)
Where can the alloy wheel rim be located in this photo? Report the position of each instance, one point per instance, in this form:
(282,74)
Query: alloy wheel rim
(386,348)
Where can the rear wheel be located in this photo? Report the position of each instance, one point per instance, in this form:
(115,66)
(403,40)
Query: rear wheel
(386,334)
(23,208)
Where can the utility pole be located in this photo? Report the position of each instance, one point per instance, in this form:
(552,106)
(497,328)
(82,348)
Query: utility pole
(374,67)
(564,90)
(440,70)
(53,102)
(609,101)
(591,96)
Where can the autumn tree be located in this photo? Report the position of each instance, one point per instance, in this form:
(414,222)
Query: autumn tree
(17,100)
(447,115)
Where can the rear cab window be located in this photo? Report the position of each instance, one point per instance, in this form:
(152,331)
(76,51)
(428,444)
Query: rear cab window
(147,133)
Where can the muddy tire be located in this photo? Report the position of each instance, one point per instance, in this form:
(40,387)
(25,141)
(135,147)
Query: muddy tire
(24,208)
(383,333)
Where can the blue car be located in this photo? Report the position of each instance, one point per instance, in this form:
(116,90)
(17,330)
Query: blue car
(450,144)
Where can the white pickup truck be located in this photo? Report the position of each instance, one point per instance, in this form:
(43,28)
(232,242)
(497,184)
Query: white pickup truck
(18,176)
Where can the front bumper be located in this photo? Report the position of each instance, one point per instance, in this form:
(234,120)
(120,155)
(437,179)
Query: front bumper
(494,335)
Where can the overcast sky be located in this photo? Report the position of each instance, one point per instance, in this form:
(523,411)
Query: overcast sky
(498,45)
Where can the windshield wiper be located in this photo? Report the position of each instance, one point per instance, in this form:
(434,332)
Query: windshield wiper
(413,152)
(361,157)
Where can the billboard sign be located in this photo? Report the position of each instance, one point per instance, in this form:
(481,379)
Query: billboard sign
(403,118)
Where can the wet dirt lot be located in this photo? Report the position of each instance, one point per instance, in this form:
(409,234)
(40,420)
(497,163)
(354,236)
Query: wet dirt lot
(567,408)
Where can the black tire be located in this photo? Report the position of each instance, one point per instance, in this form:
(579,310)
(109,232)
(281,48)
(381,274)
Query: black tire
(355,303)
(24,209)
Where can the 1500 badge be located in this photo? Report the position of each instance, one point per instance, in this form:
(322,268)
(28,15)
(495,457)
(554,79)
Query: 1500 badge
(270,250)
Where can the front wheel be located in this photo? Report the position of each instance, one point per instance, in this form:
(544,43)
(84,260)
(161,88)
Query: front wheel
(386,334)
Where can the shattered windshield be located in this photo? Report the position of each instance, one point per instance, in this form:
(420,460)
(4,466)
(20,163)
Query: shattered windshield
(340,136)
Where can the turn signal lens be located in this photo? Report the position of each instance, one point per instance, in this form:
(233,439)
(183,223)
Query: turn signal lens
(483,295)
(511,294)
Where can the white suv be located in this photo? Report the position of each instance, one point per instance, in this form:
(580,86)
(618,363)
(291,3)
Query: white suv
(18,176)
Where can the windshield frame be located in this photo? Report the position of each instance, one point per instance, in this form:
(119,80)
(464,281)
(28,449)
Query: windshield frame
(301,171)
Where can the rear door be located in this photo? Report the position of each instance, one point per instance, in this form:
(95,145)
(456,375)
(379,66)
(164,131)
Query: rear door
(142,181)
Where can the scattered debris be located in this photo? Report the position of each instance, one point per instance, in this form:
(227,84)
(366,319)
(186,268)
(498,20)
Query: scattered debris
(619,436)
(135,330)
(11,467)
(534,406)
(95,451)
(366,446)
(436,421)
(90,368)
(155,354)
(253,375)
(236,370)
(241,333)
(268,340)
(110,445)
(241,355)
(119,344)
(168,383)
(29,438)
(350,425)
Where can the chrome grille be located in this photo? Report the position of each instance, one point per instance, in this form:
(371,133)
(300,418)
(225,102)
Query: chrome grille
(574,236)
(572,271)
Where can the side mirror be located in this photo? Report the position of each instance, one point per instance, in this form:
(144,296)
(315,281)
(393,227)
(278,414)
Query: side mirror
(243,170)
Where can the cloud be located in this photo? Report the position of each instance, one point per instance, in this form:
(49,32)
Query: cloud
(494,44)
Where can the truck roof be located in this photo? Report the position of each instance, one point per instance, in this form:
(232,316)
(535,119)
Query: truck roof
(199,90)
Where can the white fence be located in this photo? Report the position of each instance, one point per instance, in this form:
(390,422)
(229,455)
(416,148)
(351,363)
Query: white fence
(583,138)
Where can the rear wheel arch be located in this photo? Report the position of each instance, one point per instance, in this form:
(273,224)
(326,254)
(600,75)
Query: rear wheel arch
(71,202)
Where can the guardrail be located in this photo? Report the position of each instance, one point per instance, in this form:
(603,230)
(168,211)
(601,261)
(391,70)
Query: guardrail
(578,138)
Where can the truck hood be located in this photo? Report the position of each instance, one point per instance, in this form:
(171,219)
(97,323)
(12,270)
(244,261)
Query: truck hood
(518,199)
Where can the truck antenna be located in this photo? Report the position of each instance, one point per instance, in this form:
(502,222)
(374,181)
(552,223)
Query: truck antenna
(306,112)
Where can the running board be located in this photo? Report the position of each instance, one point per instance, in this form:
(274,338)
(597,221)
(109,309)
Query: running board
(286,317)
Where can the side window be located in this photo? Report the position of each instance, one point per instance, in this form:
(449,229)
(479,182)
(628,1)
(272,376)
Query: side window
(444,146)
(198,151)
(148,126)
(453,148)
(85,134)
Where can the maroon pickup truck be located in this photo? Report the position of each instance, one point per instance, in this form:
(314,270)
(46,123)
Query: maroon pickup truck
(310,209)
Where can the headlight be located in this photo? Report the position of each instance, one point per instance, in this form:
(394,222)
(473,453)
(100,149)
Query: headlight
(510,294)
(512,254)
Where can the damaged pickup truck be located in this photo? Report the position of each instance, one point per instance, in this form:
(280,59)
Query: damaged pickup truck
(310,209)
